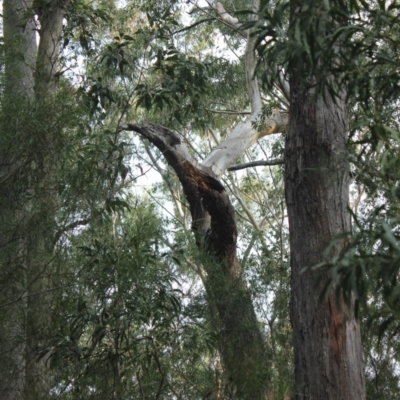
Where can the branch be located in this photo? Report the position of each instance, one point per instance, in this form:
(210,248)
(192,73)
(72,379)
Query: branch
(186,28)
(230,112)
(206,195)
(23,297)
(252,82)
(276,161)
(240,139)
(227,19)
(70,226)
(178,204)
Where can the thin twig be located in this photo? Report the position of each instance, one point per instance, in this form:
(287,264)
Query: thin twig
(186,28)
(234,112)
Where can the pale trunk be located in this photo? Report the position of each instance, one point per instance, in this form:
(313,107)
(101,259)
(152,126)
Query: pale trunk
(38,379)
(20,49)
(28,173)
(51,23)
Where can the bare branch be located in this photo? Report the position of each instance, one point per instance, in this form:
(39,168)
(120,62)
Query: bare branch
(252,82)
(276,161)
(230,112)
(178,205)
(72,225)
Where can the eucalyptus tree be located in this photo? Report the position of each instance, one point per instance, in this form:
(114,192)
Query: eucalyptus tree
(327,341)
(28,167)
(339,53)
(214,226)
(37,107)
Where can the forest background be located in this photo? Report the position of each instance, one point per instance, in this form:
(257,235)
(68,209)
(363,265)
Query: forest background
(264,260)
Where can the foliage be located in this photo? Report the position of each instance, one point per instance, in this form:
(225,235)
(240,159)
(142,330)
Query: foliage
(121,328)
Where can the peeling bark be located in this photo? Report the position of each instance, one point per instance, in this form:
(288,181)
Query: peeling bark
(242,137)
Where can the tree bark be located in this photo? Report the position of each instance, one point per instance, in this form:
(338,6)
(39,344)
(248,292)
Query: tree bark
(51,18)
(213,221)
(327,343)
(20,56)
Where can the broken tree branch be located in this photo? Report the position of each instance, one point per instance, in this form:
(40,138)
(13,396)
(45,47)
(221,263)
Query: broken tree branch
(213,220)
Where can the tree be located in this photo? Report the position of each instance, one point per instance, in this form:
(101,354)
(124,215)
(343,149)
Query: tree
(31,155)
(213,222)
(327,336)
(111,302)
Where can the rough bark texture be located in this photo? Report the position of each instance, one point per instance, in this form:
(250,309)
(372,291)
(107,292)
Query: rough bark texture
(327,343)
(213,217)
(241,344)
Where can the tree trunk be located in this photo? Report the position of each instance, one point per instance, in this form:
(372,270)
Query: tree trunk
(51,18)
(213,221)
(28,193)
(327,343)
(20,49)
(20,57)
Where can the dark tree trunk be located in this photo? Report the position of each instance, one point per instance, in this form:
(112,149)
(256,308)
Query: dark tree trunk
(241,343)
(327,343)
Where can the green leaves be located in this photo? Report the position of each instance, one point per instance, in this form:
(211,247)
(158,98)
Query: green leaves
(356,42)
(181,83)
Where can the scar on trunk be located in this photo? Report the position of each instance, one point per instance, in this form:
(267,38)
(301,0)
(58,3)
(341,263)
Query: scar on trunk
(336,328)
